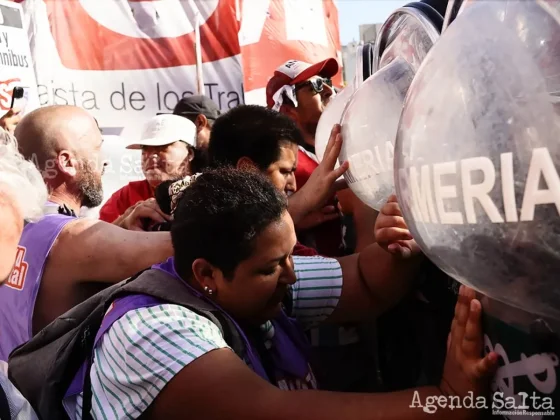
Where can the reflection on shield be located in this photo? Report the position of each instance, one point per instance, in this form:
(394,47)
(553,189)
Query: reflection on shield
(371,117)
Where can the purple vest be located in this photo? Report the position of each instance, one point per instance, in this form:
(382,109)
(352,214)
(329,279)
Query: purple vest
(289,354)
(19,293)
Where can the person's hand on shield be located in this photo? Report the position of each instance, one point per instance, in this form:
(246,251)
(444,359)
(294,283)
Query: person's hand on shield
(465,370)
(391,231)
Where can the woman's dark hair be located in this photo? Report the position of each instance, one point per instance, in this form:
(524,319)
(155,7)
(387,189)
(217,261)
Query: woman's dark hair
(251,131)
(219,217)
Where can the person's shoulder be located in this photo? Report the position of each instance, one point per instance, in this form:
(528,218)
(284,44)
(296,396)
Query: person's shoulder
(303,262)
(173,325)
(78,225)
(317,289)
(143,350)
(53,219)
(317,276)
(49,226)
(157,341)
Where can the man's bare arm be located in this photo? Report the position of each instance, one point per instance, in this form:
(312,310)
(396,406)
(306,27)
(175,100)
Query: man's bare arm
(219,385)
(374,281)
(92,250)
(379,276)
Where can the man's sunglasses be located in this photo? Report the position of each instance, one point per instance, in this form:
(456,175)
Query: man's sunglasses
(317,84)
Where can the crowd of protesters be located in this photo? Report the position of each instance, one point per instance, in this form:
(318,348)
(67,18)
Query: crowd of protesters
(241,267)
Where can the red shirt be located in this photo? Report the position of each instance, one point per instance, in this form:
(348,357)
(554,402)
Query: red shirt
(304,251)
(121,200)
(327,237)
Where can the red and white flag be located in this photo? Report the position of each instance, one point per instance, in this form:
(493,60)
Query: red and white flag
(126,60)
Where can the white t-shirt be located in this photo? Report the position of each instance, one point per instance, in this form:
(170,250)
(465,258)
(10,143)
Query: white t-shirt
(147,347)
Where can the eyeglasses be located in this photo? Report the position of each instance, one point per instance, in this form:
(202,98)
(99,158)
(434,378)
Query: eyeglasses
(317,84)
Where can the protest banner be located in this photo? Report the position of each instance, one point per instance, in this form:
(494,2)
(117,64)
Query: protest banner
(126,60)
(16,64)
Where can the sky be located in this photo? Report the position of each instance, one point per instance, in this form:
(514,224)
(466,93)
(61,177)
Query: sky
(353,13)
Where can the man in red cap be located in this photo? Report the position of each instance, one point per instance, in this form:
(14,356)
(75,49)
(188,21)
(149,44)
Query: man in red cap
(302,91)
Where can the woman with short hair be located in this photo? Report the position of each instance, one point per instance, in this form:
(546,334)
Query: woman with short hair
(233,240)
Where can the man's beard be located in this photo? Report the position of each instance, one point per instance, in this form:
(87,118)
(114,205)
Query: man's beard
(90,187)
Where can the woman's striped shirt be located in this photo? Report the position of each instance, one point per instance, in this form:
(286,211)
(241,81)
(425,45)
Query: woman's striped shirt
(147,347)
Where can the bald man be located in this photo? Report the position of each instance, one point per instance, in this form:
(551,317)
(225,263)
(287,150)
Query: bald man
(62,260)
(65,144)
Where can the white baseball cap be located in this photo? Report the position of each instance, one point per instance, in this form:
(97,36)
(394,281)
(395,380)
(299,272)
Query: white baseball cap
(165,129)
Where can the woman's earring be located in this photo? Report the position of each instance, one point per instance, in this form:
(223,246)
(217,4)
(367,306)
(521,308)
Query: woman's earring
(208,290)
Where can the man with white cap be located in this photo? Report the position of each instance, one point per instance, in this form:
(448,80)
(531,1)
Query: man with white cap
(167,143)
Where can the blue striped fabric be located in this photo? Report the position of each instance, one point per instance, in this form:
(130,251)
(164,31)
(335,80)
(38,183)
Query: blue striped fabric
(147,347)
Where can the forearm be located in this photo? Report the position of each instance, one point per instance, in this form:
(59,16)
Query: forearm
(297,207)
(140,250)
(387,277)
(111,254)
(233,391)
(364,219)
(402,405)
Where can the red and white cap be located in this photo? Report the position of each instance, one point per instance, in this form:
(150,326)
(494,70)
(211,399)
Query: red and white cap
(293,72)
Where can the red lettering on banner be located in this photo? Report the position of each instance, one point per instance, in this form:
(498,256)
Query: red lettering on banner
(85,44)
(6,89)
(17,278)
